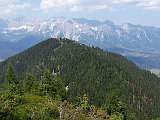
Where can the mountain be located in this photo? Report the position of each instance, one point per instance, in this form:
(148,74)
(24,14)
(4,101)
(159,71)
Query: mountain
(6,50)
(11,48)
(136,41)
(91,71)
(127,36)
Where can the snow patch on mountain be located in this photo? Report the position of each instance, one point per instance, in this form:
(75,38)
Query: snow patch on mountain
(92,31)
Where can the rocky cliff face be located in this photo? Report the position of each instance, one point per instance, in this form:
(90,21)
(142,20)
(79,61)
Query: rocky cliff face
(104,34)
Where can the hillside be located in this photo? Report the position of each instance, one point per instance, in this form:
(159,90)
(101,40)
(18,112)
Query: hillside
(140,42)
(91,71)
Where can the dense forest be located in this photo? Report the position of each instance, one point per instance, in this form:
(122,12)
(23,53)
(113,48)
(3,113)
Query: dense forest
(85,78)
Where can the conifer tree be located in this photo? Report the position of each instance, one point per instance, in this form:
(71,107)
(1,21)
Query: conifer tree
(49,84)
(29,83)
(59,88)
(11,82)
(53,86)
(114,106)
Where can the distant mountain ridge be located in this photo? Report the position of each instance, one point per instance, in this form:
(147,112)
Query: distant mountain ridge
(106,35)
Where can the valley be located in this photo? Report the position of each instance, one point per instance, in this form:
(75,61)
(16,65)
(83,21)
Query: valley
(144,59)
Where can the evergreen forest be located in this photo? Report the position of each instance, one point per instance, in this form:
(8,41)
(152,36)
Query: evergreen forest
(63,79)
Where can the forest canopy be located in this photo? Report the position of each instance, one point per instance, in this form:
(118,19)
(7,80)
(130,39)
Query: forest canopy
(48,68)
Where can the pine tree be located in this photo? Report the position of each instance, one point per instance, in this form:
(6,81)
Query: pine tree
(53,86)
(59,88)
(49,83)
(29,83)
(11,82)
(113,106)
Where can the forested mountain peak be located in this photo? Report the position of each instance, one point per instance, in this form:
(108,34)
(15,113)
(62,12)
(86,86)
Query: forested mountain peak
(92,71)
(138,43)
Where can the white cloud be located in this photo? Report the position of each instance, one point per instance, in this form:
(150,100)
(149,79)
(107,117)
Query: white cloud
(45,4)
(93,5)
(99,7)
(8,7)
(74,5)
(150,5)
(125,1)
(35,9)
(76,8)
(146,4)
(57,5)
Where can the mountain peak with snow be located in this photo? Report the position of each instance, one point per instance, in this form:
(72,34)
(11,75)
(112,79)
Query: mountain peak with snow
(104,34)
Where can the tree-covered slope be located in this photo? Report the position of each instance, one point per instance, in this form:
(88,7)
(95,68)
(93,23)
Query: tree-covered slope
(91,71)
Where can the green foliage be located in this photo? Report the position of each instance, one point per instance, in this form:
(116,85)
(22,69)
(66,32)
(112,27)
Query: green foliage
(114,106)
(11,82)
(90,71)
(27,107)
(113,117)
(81,111)
(10,76)
(30,83)
(157,119)
(35,87)
(52,86)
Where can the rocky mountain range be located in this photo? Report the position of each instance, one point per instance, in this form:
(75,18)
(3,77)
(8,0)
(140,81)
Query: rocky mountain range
(132,41)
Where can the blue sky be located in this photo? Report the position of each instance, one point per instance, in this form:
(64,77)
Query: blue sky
(143,12)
